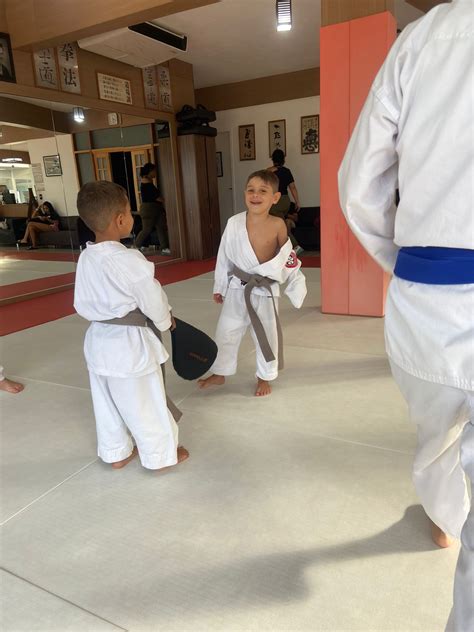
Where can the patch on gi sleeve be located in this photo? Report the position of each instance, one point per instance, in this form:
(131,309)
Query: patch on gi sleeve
(292,261)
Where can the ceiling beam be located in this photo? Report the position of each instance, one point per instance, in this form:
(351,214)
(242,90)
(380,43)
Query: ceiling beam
(424,5)
(35,24)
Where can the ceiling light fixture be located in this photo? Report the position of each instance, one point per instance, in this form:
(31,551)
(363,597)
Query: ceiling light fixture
(283,12)
(79,115)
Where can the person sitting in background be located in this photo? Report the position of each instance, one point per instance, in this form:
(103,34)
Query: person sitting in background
(7,197)
(282,207)
(152,211)
(44,219)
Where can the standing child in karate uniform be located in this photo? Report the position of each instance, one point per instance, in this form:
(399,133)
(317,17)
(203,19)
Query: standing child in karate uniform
(124,360)
(255,256)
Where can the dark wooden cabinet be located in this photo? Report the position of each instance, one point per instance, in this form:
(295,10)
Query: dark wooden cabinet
(197,159)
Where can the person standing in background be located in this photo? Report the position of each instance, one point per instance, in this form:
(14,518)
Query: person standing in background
(152,211)
(282,207)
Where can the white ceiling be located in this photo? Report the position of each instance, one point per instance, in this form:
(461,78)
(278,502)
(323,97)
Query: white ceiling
(236,40)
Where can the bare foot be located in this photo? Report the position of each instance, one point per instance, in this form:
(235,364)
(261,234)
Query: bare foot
(11,387)
(182,455)
(442,539)
(119,464)
(263,388)
(212,380)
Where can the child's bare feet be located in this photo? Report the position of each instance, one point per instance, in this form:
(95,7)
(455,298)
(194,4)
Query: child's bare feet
(11,387)
(182,454)
(119,464)
(212,380)
(442,539)
(263,388)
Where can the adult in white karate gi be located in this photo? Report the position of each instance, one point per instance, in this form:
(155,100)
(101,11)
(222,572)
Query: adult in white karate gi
(416,131)
(236,251)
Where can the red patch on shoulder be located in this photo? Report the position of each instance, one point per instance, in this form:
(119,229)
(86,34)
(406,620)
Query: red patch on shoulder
(292,261)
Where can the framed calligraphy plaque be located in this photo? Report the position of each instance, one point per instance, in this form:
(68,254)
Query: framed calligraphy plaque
(310,134)
(46,74)
(69,68)
(114,89)
(247,142)
(277,136)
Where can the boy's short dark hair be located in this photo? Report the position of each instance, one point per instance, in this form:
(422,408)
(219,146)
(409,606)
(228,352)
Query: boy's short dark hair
(99,202)
(267,176)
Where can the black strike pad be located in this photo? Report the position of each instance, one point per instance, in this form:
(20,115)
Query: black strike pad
(193,352)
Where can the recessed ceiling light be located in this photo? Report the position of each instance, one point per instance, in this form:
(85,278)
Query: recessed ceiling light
(78,114)
(283,12)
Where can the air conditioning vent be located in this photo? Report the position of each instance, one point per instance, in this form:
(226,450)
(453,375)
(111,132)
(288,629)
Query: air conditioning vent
(161,34)
(139,45)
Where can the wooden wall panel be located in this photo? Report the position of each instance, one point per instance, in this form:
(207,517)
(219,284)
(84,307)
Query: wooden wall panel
(335,112)
(291,85)
(337,11)
(167,181)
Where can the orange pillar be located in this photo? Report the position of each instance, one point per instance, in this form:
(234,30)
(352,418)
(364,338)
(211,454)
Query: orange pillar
(351,54)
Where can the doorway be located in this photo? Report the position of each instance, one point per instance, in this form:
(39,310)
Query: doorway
(122,173)
(225,177)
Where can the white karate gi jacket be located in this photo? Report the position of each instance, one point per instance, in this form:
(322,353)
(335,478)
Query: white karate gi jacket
(111,281)
(235,249)
(417,130)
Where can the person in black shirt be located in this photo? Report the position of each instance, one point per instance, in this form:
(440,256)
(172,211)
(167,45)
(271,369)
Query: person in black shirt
(152,211)
(282,207)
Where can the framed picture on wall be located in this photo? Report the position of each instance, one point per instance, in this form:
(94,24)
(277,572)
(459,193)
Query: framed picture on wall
(7,69)
(277,136)
(220,171)
(52,166)
(247,142)
(310,134)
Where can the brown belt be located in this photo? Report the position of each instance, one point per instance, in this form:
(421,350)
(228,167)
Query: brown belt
(137,318)
(257,280)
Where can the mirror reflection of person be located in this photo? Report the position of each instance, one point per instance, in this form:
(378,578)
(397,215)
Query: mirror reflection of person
(44,219)
(152,211)
(5,72)
(7,197)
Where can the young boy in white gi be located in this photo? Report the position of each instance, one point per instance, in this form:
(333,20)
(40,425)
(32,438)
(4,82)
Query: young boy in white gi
(255,256)
(124,361)
(417,129)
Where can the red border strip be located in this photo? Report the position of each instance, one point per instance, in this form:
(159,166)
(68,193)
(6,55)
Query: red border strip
(36,285)
(37,311)
(43,309)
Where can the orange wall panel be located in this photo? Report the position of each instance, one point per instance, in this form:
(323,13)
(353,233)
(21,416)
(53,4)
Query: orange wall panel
(334,131)
(351,54)
(370,39)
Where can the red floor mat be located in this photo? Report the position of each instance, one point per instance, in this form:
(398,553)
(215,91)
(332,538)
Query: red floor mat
(36,285)
(36,311)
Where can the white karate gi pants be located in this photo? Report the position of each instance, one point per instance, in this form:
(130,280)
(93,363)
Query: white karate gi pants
(234,322)
(2,373)
(440,413)
(462,614)
(134,406)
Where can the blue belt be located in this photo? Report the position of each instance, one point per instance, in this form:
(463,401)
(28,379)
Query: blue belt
(435,266)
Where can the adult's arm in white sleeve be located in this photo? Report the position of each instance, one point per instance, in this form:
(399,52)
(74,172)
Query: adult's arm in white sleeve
(368,174)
